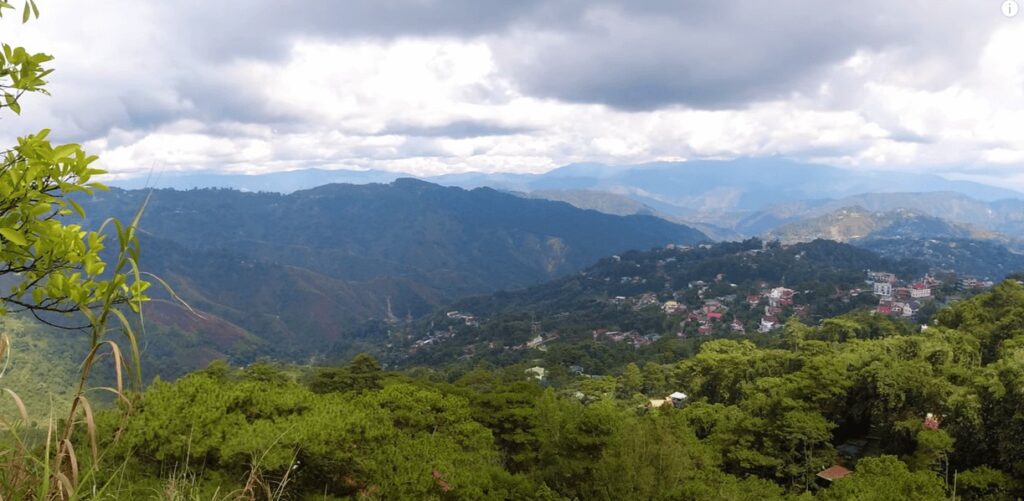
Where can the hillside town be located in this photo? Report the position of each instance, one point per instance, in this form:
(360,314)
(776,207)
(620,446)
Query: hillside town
(900,298)
(642,300)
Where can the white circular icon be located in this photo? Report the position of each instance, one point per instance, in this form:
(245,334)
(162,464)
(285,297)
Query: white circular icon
(1010,8)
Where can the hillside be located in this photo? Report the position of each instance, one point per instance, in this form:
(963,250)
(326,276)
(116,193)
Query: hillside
(852,223)
(980,258)
(621,205)
(633,292)
(906,233)
(293,272)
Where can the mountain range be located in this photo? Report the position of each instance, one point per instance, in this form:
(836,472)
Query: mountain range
(857,223)
(273,272)
(742,197)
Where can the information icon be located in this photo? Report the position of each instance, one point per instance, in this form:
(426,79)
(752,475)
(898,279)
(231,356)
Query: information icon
(1010,8)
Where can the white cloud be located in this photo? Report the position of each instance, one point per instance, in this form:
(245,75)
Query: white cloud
(143,93)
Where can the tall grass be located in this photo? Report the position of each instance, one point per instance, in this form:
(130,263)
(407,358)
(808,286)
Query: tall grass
(47,462)
(61,459)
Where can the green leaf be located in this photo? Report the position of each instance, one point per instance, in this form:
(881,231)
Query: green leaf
(12,102)
(24,16)
(14,236)
(78,208)
(64,150)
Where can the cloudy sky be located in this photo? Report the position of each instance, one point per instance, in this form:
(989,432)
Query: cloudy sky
(436,86)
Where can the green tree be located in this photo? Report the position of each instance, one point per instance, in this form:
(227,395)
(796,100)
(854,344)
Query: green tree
(631,381)
(654,379)
(55,265)
(363,373)
(886,478)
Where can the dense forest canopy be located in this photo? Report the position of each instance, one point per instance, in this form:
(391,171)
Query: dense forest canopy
(913,412)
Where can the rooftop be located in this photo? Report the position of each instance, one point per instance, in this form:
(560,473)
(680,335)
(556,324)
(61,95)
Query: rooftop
(834,473)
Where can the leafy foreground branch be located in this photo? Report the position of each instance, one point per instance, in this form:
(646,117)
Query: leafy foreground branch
(60,278)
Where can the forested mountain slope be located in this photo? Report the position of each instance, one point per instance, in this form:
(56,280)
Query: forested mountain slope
(295,271)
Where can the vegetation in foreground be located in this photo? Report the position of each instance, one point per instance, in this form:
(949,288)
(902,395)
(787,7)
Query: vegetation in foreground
(758,423)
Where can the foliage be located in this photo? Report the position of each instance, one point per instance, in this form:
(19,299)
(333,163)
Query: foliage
(758,423)
(54,270)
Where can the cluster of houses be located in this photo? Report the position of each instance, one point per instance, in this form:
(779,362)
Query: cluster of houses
(777,299)
(469,319)
(537,341)
(433,337)
(632,337)
(901,299)
(710,313)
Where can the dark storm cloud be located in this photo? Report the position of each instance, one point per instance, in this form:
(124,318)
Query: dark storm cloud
(264,28)
(633,55)
(720,54)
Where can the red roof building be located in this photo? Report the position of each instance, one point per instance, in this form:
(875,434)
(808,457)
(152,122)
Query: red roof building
(834,473)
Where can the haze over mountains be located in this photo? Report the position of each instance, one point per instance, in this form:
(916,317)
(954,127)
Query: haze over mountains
(747,196)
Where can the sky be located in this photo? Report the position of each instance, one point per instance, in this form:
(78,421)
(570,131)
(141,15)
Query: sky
(430,87)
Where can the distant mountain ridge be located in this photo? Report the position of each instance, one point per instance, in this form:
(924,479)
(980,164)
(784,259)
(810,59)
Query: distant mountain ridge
(621,205)
(907,233)
(1005,216)
(732,198)
(853,223)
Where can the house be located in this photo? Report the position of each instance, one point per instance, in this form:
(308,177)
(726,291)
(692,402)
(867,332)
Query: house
(753,299)
(905,308)
(768,324)
(673,307)
(920,290)
(714,315)
(537,373)
(833,473)
(780,296)
(737,326)
(647,299)
(678,399)
(881,276)
(884,308)
(967,283)
(883,289)
(535,342)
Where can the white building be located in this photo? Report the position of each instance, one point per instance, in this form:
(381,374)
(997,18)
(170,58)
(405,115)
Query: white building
(883,289)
